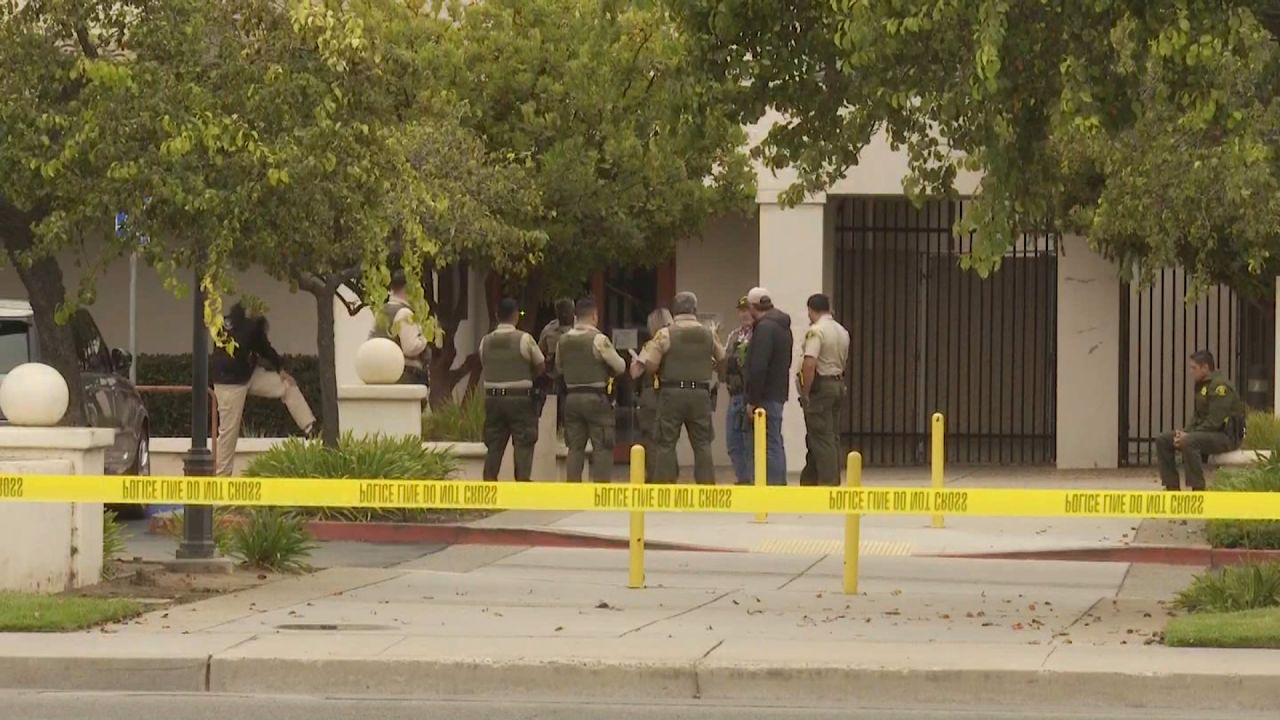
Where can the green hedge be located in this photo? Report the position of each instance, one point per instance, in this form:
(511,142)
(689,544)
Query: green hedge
(1263,476)
(171,414)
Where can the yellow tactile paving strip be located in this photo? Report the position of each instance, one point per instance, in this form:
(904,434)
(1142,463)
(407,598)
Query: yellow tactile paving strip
(829,547)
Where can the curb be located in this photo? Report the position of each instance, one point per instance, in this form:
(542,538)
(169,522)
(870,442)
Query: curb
(1202,556)
(458,534)
(472,535)
(813,683)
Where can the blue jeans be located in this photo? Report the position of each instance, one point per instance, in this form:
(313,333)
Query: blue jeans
(737,441)
(775,453)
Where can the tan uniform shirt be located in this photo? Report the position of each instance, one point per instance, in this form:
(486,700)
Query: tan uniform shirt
(412,342)
(827,342)
(601,348)
(657,348)
(528,349)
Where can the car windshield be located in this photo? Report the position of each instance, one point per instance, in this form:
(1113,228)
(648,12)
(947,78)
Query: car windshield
(14,346)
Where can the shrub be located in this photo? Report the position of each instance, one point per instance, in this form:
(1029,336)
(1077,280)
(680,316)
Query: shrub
(1262,431)
(113,542)
(1263,476)
(365,458)
(272,539)
(170,414)
(1243,587)
(456,421)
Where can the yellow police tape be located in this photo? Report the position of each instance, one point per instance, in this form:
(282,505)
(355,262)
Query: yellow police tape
(659,498)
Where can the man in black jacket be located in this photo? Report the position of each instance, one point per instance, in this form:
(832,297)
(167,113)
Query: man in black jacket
(768,376)
(252,368)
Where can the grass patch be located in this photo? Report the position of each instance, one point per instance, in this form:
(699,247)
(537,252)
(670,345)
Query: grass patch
(1258,628)
(20,612)
(455,421)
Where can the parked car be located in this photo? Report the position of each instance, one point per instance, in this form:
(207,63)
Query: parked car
(110,399)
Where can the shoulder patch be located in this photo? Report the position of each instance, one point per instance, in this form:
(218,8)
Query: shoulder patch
(1204,391)
(810,333)
(1221,391)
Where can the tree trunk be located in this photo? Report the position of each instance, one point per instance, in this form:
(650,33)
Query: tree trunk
(45,291)
(324,289)
(328,354)
(449,304)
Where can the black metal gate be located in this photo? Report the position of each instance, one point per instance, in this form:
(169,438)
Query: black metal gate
(930,337)
(1158,331)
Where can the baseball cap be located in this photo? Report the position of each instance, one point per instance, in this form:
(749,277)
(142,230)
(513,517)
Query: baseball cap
(758,296)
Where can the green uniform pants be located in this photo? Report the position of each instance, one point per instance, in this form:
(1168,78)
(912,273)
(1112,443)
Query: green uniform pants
(509,417)
(589,416)
(688,408)
(1194,445)
(647,424)
(821,413)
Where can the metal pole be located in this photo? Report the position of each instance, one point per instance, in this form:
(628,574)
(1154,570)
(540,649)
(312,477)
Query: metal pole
(635,574)
(761,457)
(197,541)
(852,527)
(938,458)
(133,317)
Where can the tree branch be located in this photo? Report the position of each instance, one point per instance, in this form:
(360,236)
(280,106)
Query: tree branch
(86,43)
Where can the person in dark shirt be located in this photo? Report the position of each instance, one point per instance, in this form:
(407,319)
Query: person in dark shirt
(254,368)
(768,376)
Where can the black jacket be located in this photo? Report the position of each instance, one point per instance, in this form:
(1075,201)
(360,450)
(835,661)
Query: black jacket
(769,359)
(252,349)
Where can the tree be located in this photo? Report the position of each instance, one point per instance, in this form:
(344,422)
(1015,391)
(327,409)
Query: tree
(75,127)
(1149,127)
(627,146)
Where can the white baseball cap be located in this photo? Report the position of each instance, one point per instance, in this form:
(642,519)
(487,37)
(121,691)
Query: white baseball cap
(758,295)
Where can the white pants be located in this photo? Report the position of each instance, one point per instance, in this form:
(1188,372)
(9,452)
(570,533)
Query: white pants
(231,398)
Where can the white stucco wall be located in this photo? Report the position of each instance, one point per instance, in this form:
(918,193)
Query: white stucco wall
(719,266)
(1088,358)
(164,321)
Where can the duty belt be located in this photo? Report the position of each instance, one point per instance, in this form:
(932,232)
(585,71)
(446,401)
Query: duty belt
(685,385)
(832,378)
(508,392)
(580,389)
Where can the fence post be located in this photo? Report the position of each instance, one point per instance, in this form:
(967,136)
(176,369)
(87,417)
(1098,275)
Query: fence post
(938,457)
(852,527)
(761,459)
(635,574)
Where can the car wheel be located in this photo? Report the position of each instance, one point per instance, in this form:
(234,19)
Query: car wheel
(142,460)
(141,466)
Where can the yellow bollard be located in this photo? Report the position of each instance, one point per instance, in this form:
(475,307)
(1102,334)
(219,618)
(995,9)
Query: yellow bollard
(635,575)
(852,528)
(938,458)
(761,463)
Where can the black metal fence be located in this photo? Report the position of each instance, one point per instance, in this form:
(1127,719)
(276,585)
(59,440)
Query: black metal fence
(929,336)
(1159,330)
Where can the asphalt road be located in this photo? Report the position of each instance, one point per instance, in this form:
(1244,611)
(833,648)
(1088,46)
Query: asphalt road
(21,705)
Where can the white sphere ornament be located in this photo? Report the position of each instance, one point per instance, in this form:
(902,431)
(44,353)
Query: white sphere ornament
(34,395)
(379,361)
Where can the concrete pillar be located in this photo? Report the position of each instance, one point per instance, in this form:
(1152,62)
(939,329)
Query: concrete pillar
(792,266)
(1088,358)
(51,547)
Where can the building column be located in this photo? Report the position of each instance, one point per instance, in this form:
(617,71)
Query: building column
(1088,419)
(792,266)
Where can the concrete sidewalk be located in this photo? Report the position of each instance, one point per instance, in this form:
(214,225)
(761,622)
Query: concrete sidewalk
(511,622)
(881,535)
